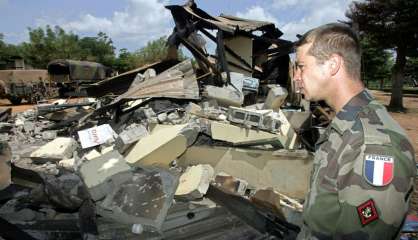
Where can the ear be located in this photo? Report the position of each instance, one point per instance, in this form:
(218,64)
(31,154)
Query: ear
(334,64)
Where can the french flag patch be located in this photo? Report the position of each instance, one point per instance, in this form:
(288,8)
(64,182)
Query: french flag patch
(378,169)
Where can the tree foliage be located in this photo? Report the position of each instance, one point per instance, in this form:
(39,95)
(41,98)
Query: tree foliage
(7,51)
(47,44)
(50,43)
(411,71)
(98,49)
(376,63)
(126,61)
(393,25)
(154,51)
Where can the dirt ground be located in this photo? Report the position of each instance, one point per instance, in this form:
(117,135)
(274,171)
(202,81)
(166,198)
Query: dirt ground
(408,120)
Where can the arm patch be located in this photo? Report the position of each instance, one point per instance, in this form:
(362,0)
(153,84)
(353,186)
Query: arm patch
(378,170)
(367,212)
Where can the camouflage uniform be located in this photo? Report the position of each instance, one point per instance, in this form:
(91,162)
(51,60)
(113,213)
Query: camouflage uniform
(344,202)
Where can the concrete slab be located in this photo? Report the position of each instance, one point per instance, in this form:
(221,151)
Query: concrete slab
(299,120)
(67,163)
(224,96)
(142,199)
(261,169)
(191,131)
(275,97)
(58,149)
(91,155)
(194,182)
(96,172)
(160,148)
(193,108)
(242,136)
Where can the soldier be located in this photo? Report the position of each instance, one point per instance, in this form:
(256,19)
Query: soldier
(364,165)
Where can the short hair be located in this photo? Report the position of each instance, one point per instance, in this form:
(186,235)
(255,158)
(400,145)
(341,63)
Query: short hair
(334,38)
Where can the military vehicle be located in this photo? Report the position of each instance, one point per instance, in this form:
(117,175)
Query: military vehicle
(31,85)
(69,75)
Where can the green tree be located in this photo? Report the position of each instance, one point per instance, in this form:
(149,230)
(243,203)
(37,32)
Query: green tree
(376,62)
(411,71)
(393,25)
(154,51)
(46,45)
(125,61)
(98,49)
(7,51)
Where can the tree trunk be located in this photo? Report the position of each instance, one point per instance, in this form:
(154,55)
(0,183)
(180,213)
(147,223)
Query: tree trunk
(397,80)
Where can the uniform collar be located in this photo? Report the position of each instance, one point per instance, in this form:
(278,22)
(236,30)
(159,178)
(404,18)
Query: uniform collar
(345,118)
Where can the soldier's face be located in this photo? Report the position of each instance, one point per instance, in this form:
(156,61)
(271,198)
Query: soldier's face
(310,76)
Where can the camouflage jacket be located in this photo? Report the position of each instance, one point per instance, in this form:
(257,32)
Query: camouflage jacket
(362,177)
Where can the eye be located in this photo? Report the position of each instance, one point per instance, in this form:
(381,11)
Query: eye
(300,66)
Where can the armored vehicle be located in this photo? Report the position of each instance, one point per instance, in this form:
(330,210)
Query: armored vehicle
(69,75)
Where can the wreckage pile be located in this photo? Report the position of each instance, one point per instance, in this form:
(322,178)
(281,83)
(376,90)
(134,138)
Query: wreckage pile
(156,166)
(169,150)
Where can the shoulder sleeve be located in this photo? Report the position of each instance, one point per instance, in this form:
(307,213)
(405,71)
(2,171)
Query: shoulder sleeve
(373,186)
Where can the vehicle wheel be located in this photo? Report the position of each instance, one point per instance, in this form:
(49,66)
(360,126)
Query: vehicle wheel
(15,100)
